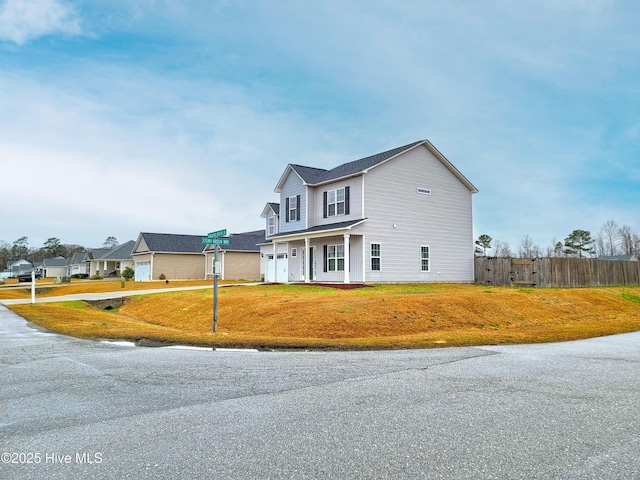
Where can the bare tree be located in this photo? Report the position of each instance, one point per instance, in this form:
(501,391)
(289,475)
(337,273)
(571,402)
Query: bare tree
(608,238)
(528,249)
(628,241)
(502,249)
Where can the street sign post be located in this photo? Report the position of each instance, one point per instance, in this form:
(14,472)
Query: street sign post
(219,233)
(214,238)
(215,241)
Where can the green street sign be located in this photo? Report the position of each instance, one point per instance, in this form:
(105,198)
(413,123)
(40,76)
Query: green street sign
(216,241)
(219,233)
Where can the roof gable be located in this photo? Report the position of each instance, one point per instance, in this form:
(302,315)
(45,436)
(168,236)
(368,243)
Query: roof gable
(318,176)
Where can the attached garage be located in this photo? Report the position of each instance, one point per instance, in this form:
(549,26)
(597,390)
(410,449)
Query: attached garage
(282,273)
(142,271)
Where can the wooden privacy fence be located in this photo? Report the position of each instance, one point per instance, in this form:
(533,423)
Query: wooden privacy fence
(556,272)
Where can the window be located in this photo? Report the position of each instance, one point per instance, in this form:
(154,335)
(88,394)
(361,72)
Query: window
(336,202)
(375,257)
(294,252)
(424,258)
(293,208)
(272,225)
(335,258)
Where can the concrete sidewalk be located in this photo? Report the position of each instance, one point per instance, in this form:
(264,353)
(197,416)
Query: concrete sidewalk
(114,294)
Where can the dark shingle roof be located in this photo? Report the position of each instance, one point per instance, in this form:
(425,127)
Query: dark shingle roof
(121,252)
(317,175)
(54,262)
(322,228)
(169,242)
(275,207)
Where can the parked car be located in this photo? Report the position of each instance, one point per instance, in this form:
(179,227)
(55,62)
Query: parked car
(26,277)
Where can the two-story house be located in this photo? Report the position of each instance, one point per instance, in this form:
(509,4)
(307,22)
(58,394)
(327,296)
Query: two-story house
(404,215)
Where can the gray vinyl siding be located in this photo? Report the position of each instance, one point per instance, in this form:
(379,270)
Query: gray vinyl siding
(292,186)
(401,220)
(355,201)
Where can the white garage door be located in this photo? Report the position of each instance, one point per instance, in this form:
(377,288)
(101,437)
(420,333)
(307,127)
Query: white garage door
(142,271)
(283,268)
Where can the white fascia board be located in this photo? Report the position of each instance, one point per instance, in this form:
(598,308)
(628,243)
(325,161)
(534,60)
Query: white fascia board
(284,176)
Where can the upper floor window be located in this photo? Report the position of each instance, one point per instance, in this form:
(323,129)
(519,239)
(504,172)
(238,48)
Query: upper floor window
(336,202)
(293,208)
(272,225)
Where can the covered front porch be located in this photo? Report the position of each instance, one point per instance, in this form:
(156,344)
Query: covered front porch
(321,254)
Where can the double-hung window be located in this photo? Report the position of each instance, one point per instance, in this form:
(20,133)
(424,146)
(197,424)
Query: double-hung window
(424,258)
(375,257)
(336,202)
(272,225)
(335,258)
(293,208)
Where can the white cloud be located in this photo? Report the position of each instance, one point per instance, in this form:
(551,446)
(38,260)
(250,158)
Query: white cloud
(25,20)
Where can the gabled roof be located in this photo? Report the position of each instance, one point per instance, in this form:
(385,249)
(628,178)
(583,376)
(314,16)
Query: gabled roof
(275,207)
(243,242)
(54,262)
(96,253)
(318,176)
(170,243)
(121,252)
(76,258)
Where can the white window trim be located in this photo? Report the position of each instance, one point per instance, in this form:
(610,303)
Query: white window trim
(336,202)
(271,225)
(293,208)
(337,258)
(379,256)
(428,258)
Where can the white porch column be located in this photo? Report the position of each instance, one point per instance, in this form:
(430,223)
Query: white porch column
(307,259)
(275,262)
(346,258)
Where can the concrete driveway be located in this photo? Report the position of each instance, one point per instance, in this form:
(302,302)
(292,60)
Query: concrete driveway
(75,409)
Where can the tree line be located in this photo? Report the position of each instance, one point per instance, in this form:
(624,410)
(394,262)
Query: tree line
(612,239)
(52,248)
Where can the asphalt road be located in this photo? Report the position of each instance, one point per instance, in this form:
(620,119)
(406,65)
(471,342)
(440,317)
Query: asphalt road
(74,409)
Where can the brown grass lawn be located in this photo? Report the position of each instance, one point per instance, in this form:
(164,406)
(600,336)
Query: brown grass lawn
(380,316)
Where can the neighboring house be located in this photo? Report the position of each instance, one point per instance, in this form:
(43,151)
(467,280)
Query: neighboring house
(185,256)
(240,260)
(397,216)
(109,262)
(19,267)
(76,265)
(172,255)
(53,267)
(628,258)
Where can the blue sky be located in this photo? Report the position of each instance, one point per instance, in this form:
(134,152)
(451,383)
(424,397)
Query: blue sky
(180,116)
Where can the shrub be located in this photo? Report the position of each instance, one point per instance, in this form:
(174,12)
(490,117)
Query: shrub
(95,276)
(128,273)
(162,276)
